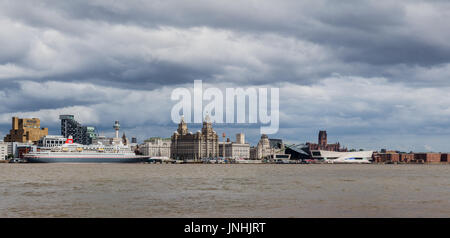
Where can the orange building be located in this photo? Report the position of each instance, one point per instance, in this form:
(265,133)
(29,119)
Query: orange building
(25,130)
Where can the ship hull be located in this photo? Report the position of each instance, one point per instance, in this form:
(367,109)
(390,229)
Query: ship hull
(84,159)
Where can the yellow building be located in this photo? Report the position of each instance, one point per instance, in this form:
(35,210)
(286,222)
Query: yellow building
(25,130)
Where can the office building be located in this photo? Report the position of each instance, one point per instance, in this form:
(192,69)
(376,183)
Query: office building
(3,150)
(195,147)
(25,130)
(156,147)
(235,150)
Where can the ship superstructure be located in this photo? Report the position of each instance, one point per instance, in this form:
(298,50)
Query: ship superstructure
(71,152)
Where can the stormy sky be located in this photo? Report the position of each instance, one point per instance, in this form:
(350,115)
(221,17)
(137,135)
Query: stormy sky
(374,74)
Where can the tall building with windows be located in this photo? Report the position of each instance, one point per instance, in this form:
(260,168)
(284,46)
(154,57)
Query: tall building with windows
(188,146)
(3,150)
(81,134)
(25,130)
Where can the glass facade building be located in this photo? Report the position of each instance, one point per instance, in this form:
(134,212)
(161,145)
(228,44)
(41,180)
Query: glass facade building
(80,134)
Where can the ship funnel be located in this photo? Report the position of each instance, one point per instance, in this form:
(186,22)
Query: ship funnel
(69,140)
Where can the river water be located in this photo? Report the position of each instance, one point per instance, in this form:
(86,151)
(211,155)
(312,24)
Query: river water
(224,190)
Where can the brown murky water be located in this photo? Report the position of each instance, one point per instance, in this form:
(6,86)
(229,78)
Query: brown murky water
(154,190)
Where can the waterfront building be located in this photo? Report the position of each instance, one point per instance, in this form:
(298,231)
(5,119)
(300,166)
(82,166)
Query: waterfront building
(80,134)
(360,157)
(265,149)
(17,149)
(25,130)
(298,151)
(388,157)
(430,158)
(276,144)
(406,157)
(51,141)
(156,147)
(323,144)
(3,150)
(235,150)
(401,157)
(195,147)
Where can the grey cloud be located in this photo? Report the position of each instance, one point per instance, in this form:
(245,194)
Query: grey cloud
(374,35)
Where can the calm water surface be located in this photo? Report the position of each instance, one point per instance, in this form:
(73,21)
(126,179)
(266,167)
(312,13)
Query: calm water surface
(154,190)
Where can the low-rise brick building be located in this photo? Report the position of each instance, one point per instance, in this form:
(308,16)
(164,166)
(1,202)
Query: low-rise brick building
(406,157)
(395,157)
(427,157)
(388,157)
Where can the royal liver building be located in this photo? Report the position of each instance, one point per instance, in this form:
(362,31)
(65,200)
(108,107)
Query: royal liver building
(188,146)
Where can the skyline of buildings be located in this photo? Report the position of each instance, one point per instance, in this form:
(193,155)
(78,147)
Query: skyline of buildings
(204,144)
(90,133)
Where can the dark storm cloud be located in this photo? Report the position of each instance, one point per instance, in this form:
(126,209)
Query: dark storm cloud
(372,34)
(136,75)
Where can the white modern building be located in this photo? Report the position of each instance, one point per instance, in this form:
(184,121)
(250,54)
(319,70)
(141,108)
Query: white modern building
(334,157)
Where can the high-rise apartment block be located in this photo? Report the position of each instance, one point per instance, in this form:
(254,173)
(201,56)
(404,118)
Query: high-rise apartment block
(81,134)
